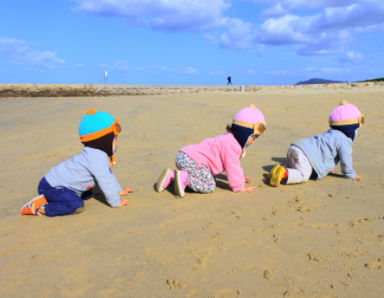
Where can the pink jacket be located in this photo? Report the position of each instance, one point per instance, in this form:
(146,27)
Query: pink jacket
(218,154)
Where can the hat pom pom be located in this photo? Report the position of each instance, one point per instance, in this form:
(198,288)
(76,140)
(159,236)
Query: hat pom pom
(90,112)
(252,106)
(344,103)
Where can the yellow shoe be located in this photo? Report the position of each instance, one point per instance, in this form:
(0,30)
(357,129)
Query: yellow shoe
(278,173)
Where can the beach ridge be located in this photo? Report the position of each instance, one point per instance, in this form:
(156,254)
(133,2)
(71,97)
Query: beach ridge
(65,90)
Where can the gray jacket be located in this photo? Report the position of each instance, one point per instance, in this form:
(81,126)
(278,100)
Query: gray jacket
(326,150)
(82,171)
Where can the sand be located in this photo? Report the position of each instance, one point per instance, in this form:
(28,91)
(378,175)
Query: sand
(320,239)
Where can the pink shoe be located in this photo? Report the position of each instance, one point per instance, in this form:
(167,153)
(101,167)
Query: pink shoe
(180,183)
(166,178)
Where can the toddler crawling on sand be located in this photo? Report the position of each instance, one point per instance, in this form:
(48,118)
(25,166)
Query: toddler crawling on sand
(62,187)
(198,164)
(317,156)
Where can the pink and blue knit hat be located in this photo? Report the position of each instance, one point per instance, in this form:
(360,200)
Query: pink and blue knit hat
(346,118)
(252,118)
(247,122)
(345,114)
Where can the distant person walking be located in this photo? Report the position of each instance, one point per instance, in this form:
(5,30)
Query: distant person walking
(229,80)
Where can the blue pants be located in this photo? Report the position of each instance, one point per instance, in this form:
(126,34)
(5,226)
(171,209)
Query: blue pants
(61,200)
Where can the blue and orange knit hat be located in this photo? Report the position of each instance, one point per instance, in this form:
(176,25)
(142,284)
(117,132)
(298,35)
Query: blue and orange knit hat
(95,125)
(97,130)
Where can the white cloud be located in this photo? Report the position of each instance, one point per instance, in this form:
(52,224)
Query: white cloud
(373,28)
(12,47)
(46,59)
(351,56)
(325,43)
(124,66)
(350,16)
(333,72)
(102,65)
(173,15)
(211,39)
(238,35)
(288,29)
(218,73)
(305,4)
(189,70)
(275,11)
(322,33)
(18,51)
(180,70)
(311,27)
(79,65)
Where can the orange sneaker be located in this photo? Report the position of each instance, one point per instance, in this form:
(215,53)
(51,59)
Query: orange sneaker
(33,205)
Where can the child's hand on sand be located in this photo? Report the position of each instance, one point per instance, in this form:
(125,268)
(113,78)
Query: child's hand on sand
(248,179)
(333,171)
(123,202)
(125,191)
(249,189)
(357,177)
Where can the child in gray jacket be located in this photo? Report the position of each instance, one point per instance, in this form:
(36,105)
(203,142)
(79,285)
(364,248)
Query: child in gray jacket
(317,156)
(61,189)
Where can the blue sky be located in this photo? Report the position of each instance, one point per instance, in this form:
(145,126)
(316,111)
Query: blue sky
(192,42)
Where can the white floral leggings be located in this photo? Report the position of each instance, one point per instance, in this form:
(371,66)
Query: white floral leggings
(199,177)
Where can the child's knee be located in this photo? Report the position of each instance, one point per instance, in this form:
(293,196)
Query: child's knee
(75,206)
(210,189)
(79,210)
(207,188)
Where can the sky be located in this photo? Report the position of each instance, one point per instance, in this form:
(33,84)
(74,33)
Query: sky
(190,42)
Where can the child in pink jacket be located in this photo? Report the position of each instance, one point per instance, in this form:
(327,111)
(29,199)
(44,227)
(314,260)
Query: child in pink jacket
(198,164)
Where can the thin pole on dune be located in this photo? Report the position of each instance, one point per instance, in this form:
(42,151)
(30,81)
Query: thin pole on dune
(105,77)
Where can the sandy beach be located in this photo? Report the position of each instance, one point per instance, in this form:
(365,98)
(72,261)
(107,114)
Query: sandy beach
(320,239)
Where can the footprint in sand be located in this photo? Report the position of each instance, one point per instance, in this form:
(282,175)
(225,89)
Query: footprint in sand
(236,214)
(294,292)
(381,238)
(207,225)
(312,257)
(175,284)
(267,274)
(333,195)
(378,264)
(352,222)
(227,293)
(297,204)
(275,237)
(201,263)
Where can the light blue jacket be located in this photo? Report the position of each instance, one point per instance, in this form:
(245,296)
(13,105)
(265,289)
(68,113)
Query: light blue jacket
(326,150)
(82,171)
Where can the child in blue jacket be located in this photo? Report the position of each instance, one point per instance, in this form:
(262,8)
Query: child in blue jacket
(61,189)
(317,156)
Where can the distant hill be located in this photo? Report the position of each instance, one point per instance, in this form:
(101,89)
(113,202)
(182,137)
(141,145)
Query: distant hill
(317,81)
(374,80)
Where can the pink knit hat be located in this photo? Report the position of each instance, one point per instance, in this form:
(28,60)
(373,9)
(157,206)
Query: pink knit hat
(345,114)
(251,117)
